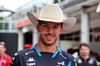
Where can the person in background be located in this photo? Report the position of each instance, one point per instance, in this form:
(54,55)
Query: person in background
(85,59)
(4,58)
(50,25)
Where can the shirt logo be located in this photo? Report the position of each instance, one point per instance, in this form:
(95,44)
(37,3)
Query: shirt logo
(79,61)
(61,63)
(91,61)
(28,52)
(31,62)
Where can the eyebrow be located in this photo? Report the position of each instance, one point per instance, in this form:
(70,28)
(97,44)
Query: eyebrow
(57,25)
(44,23)
(54,25)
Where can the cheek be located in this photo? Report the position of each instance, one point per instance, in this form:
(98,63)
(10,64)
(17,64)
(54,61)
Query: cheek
(59,31)
(4,49)
(42,31)
(88,51)
(39,28)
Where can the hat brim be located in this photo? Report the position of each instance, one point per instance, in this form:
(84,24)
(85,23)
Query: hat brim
(67,24)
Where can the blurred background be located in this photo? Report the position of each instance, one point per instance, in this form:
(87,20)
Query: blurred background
(18,32)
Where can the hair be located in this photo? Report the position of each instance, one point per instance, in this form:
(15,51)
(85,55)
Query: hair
(3,43)
(83,44)
(40,22)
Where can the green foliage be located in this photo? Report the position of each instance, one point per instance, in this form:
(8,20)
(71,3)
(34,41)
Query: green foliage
(1,18)
(56,1)
(0,25)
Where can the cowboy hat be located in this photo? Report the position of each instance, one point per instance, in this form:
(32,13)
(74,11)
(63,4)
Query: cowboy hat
(52,13)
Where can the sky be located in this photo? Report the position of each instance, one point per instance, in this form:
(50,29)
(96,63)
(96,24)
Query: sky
(13,4)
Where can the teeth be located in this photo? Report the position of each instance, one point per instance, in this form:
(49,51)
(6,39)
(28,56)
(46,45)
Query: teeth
(49,36)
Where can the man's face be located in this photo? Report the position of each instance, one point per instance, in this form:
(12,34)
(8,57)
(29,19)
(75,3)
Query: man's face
(84,51)
(2,49)
(49,32)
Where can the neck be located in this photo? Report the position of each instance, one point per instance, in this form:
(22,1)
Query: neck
(85,57)
(43,48)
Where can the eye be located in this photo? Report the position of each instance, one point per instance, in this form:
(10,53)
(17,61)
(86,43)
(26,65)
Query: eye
(45,26)
(55,27)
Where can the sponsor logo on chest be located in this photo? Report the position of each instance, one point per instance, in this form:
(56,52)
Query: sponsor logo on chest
(90,61)
(79,61)
(31,62)
(61,63)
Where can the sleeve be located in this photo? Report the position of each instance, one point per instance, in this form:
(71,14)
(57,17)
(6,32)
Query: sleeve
(15,60)
(72,62)
(96,63)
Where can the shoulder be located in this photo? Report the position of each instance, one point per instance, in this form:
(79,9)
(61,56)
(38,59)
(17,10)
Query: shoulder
(69,56)
(22,52)
(8,56)
(93,58)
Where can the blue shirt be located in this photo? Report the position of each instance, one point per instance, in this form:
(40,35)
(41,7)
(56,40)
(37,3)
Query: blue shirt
(32,57)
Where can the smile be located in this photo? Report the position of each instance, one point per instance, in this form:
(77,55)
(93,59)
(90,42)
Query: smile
(49,37)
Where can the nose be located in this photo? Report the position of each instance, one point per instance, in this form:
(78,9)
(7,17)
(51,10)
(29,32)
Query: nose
(50,30)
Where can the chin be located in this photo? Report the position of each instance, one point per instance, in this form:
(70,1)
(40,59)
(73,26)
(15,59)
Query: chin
(49,43)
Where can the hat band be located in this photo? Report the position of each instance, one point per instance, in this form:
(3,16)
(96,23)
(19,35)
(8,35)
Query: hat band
(51,18)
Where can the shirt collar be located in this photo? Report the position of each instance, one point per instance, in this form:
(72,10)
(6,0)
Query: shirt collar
(34,47)
(86,59)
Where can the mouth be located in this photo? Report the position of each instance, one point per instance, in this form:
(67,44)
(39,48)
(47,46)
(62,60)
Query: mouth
(49,37)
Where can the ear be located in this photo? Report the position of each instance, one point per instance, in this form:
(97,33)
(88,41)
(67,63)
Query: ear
(61,30)
(37,27)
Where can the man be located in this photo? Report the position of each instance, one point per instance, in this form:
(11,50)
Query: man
(85,59)
(4,58)
(50,25)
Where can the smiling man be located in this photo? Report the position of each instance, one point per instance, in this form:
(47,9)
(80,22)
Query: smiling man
(50,25)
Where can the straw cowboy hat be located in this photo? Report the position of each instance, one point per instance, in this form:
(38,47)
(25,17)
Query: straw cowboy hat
(52,13)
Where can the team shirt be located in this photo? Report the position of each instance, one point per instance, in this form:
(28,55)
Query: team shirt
(91,61)
(5,60)
(32,57)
